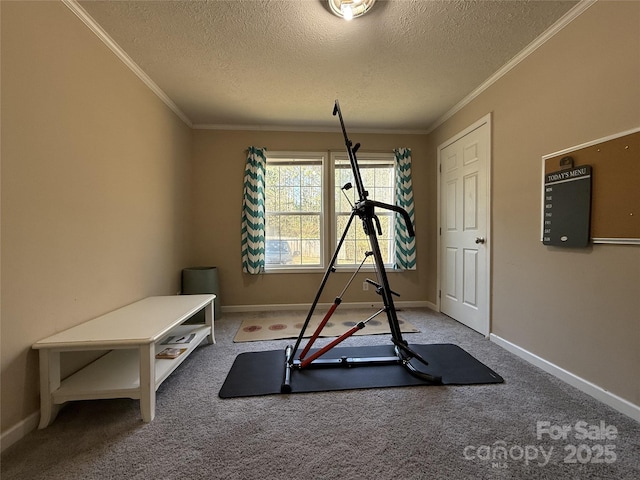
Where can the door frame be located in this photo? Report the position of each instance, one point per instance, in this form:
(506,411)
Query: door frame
(489,246)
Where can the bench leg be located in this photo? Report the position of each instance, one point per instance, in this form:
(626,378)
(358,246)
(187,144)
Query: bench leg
(148,382)
(49,383)
(209,320)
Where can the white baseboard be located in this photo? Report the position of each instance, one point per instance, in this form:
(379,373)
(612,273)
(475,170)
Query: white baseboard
(599,393)
(307,306)
(18,431)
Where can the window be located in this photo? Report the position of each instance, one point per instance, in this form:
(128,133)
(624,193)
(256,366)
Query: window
(297,195)
(377,172)
(294,210)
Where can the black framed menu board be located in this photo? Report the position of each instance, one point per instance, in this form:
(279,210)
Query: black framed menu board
(567,207)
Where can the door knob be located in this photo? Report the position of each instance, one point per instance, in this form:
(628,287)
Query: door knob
(479,239)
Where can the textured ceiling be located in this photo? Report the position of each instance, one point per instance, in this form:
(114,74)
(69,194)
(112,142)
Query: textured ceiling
(282,63)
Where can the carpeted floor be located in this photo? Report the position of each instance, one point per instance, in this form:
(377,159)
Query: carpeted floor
(461,432)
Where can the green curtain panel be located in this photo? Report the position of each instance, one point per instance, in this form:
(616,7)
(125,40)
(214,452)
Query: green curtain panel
(253,211)
(405,245)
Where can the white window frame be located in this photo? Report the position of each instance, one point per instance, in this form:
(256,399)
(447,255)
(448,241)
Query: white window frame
(329,235)
(274,157)
(386,158)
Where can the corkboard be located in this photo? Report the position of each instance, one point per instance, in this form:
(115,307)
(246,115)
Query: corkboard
(615,194)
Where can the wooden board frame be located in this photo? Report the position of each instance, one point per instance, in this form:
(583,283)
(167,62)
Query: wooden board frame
(615,202)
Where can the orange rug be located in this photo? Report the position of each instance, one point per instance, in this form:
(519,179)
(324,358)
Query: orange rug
(287,325)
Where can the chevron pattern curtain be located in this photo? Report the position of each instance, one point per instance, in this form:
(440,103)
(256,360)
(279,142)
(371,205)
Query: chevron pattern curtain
(405,245)
(253,212)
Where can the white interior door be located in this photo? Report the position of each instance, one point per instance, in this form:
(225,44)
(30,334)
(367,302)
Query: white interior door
(464,226)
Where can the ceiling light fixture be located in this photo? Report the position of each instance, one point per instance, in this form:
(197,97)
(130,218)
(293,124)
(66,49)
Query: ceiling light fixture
(349,9)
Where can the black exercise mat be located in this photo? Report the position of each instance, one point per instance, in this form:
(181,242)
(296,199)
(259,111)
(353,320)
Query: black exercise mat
(261,373)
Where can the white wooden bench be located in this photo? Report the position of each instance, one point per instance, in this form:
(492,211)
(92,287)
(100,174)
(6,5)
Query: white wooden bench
(134,335)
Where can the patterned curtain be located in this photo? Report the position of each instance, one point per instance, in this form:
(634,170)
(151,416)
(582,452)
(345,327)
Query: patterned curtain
(253,212)
(405,245)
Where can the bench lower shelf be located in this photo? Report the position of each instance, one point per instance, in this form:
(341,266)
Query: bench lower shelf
(117,373)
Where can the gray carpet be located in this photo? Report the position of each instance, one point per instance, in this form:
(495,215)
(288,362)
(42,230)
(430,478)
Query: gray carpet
(414,433)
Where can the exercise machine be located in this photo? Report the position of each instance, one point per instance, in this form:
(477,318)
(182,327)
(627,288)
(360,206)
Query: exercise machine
(404,355)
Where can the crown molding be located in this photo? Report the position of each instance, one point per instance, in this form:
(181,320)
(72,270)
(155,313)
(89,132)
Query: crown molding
(567,18)
(82,14)
(277,128)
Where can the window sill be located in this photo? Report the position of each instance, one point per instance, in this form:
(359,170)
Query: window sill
(294,270)
(349,269)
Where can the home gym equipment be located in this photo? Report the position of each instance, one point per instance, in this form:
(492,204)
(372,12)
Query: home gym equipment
(403,355)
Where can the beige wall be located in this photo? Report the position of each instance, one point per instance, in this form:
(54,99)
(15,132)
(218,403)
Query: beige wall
(219,161)
(95,175)
(98,197)
(577,308)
